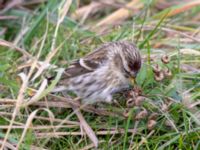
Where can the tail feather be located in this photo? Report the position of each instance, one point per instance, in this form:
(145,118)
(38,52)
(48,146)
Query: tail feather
(59,89)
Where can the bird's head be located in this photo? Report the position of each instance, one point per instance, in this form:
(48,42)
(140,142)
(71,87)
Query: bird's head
(128,60)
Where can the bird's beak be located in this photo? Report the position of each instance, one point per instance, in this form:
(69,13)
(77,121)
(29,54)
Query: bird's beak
(132,80)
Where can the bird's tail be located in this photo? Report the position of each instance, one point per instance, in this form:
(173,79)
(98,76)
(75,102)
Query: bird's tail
(59,89)
(61,85)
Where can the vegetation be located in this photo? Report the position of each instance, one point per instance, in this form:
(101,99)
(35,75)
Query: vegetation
(39,38)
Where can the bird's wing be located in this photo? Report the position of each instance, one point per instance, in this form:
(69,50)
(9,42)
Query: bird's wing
(87,64)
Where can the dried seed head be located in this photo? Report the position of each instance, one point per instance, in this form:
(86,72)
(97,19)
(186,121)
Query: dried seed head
(137,90)
(139,100)
(126,113)
(167,72)
(153,116)
(165,59)
(159,76)
(151,124)
(130,102)
(141,115)
(132,94)
(156,69)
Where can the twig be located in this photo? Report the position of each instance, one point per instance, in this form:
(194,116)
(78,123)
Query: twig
(148,27)
(102,132)
(93,6)
(12,46)
(120,14)
(8,145)
(143,140)
(132,136)
(89,108)
(184,7)
(20,100)
(43,118)
(29,122)
(62,12)
(10,5)
(90,146)
(42,127)
(85,126)
(17,108)
(61,102)
(195,104)
(8,17)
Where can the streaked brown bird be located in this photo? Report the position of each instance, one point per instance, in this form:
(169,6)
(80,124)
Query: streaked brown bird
(103,72)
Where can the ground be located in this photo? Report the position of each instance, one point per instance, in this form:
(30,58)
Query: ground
(39,38)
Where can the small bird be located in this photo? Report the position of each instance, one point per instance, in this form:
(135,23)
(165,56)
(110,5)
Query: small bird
(103,72)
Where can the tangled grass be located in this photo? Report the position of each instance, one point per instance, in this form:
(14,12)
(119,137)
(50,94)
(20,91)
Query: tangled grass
(39,39)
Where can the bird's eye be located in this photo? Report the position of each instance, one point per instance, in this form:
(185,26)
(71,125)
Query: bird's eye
(134,66)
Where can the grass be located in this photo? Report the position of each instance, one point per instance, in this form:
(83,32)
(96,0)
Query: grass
(31,117)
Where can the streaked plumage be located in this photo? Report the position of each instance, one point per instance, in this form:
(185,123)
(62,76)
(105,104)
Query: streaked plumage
(103,72)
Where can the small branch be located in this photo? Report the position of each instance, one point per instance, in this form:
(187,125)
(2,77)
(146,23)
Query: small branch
(121,14)
(102,132)
(12,46)
(42,127)
(85,126)
(44,118)
(60,102)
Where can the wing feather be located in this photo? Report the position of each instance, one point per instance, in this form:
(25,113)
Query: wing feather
(88,63)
